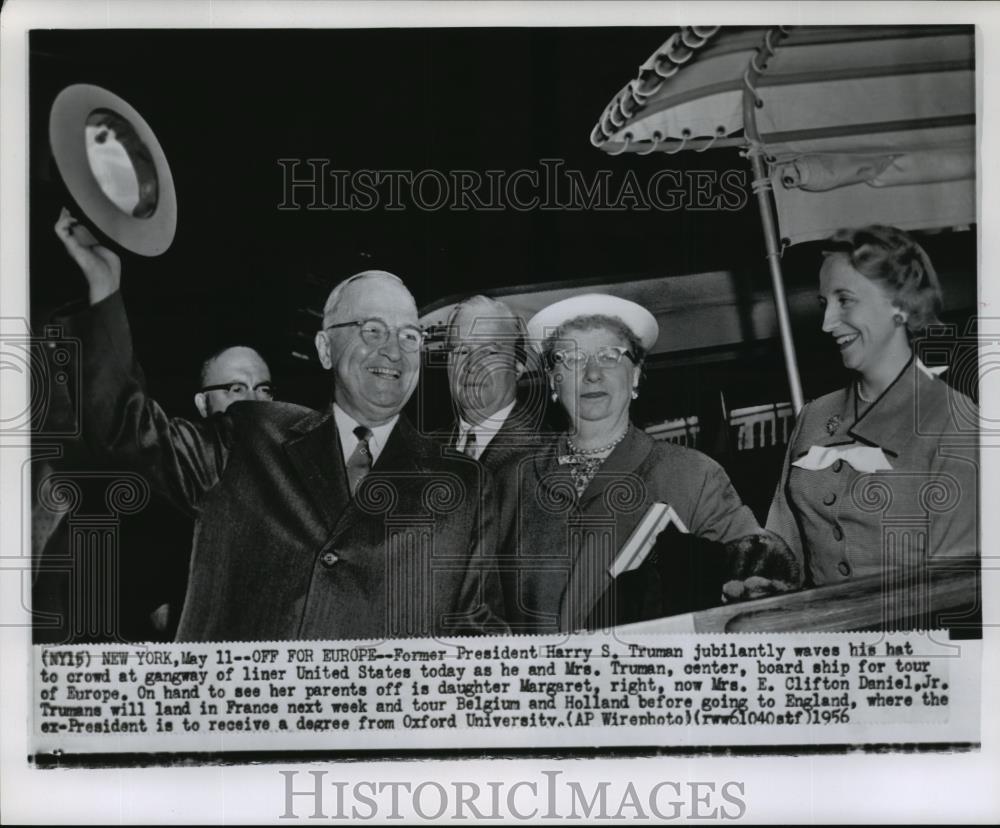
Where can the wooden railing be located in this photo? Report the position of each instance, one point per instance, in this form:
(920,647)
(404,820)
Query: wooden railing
(948,594)
(760,426)
(683,431)
(757,426)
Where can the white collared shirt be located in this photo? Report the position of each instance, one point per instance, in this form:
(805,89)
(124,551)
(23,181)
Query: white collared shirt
(933,373)
(484,431)
(349,441)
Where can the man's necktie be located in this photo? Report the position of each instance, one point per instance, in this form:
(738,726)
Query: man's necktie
(470,444)
(360,461)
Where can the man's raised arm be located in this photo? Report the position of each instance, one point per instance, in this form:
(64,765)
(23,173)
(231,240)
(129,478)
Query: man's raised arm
(181,458)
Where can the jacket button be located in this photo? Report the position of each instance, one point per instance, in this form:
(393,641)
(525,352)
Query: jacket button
(844,568)
(328,559)
(830,499)
(838,533)
(837,466)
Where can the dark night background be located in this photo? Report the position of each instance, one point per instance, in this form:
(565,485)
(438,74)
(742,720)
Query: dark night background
(226,105)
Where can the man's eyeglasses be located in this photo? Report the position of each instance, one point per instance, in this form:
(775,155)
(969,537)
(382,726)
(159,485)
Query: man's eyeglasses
(240,389)
(375,332)
(607,357)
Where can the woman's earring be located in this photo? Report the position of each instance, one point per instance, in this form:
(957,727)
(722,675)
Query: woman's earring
(635,394)
(555,396)
(899,319)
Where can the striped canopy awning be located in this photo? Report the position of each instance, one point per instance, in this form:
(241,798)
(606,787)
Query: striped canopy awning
(860,124)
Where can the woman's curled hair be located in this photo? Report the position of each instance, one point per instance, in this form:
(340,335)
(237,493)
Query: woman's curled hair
(891,258)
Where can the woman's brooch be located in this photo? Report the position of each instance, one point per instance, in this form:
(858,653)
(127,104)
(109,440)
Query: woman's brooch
(833,424)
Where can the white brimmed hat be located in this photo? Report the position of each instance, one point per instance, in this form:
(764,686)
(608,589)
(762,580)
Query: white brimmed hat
(73,112)
(639,320)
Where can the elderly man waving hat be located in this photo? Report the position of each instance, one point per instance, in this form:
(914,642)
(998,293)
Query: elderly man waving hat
(302,529)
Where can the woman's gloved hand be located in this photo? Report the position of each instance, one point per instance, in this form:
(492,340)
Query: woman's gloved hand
(760,565)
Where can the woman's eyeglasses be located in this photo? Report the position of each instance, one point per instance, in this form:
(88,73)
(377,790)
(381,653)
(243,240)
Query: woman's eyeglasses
(375,332)
(607,357)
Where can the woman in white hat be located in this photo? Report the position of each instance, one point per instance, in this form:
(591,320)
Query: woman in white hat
(572,512)
(881,473)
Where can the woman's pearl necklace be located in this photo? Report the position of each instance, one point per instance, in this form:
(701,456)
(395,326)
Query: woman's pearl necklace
(861,396)
(586,452)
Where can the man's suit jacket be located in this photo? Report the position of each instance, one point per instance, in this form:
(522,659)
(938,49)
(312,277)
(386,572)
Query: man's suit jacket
(519,431)
(555,547)
(70,494)
(281,550)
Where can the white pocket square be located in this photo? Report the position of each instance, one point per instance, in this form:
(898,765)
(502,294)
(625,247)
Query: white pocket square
(859,458)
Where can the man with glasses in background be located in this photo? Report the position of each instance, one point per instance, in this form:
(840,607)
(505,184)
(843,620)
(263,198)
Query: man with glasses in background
(232,374)
(336,524)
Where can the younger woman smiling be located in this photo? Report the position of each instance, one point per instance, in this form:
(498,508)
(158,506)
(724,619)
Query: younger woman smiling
(881,474)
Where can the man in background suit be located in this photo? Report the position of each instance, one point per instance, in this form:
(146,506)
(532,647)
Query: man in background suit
(486,357)
(339,524)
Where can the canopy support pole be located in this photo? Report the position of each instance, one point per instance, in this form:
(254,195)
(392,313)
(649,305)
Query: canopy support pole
(761,185)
